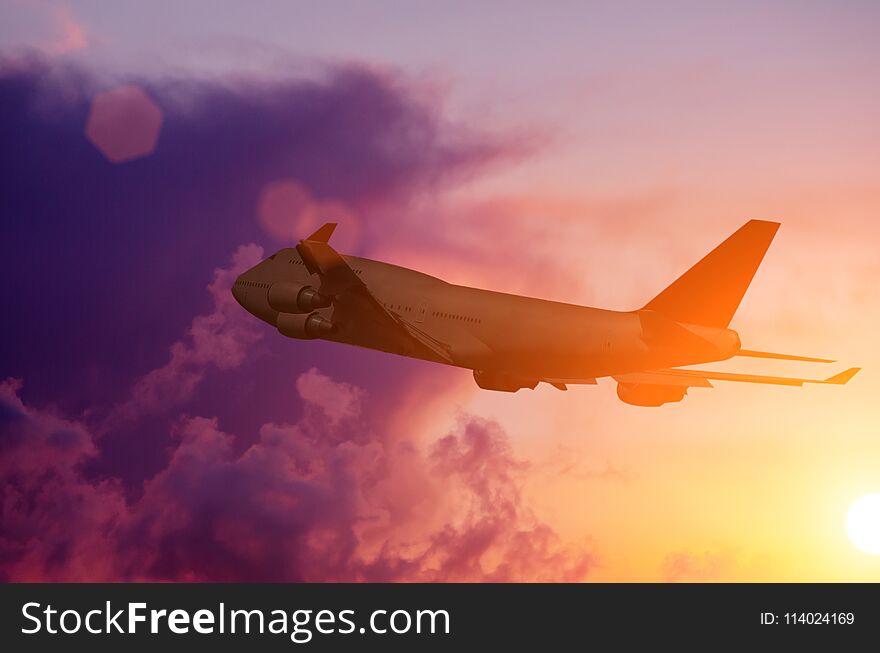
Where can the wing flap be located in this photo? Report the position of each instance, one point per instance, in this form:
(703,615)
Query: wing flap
(439,348)
(556,383)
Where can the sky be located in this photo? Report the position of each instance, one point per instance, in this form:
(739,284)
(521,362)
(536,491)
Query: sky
(584,152)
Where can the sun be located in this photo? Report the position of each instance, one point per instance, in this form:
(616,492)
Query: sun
(863,523)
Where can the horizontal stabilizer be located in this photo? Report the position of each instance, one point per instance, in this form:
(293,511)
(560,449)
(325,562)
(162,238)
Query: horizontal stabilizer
(785,357)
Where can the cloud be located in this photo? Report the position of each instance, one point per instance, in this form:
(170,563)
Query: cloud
(233,457)
(497,538)
(687,566)
(313,500)
(125,250)
(55,524)
(563,246)
(571,462)
(71,34)
(339,401)
(219,339)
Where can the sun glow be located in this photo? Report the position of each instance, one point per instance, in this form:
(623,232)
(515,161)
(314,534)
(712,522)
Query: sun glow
(863,523)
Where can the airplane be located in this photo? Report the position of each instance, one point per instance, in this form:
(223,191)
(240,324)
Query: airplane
(512,342)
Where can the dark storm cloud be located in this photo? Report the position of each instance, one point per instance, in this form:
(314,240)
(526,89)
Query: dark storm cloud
(104,264)
(126,380)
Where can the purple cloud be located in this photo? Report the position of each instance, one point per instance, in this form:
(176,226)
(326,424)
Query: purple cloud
(106,263)
(109,472)
(311,500)
(219,339)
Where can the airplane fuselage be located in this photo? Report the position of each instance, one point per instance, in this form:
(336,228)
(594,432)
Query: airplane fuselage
(512,342)
(520,339)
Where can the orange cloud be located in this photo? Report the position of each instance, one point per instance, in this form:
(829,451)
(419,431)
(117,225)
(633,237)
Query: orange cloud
(72,35)
(685,566)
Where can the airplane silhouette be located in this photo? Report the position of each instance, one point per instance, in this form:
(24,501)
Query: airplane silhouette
(512,342)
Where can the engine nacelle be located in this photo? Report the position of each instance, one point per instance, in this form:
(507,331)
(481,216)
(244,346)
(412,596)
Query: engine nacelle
(502,381)
(292,297)
(306,327)
(640,394)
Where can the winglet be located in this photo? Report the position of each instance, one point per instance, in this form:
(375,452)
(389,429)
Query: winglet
(317,254)
(843,377)
(323,234)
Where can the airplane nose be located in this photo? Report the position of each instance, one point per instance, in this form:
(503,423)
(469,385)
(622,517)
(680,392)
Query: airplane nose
(238,291)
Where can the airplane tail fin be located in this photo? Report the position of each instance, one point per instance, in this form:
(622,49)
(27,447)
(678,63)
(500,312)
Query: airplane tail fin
(710,292)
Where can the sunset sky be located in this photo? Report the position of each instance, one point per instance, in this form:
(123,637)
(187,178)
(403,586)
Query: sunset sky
(581,152)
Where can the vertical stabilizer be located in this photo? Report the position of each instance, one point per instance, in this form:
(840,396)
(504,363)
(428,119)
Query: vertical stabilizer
(711,291)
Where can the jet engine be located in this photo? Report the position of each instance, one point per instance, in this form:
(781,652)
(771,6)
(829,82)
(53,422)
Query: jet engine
(502,381)
(641,394)
(307,327)
(291,297)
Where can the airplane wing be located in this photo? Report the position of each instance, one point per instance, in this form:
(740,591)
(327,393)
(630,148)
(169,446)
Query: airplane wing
(351,297)
(702,378)
(439,348)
